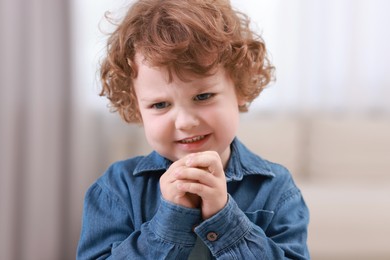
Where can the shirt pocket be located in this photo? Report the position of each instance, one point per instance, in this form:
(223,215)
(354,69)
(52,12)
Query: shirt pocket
(261,218)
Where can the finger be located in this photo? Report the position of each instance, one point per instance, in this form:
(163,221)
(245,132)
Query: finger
(170,175)
(170,190)
(196,175)
(195,188)
(209,160)
(183,198)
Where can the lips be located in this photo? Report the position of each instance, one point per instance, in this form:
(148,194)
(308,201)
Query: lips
(192,139)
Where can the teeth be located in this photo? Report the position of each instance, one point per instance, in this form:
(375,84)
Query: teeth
(195,139)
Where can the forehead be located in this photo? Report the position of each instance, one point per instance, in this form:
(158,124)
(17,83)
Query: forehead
(147,72)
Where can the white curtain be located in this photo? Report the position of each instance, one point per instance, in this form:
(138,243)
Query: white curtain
(53,142)
(36,131)
(330,56)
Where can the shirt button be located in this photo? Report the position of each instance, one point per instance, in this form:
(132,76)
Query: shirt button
(212,236)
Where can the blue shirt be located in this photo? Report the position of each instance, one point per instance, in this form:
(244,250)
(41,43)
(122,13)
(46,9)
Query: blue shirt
(125,216)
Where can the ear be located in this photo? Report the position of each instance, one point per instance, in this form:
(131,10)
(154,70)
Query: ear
(241,101)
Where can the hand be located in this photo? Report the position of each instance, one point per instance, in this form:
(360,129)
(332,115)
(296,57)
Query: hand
(204,176)
(169,186)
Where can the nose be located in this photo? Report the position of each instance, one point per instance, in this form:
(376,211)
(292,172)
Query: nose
(186,119)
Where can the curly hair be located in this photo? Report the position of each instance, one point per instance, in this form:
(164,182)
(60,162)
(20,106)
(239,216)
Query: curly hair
(187,36)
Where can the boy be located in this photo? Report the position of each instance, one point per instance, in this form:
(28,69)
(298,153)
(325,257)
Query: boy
(185,70)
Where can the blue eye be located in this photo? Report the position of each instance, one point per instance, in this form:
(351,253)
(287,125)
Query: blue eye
(160,105)
(203,96)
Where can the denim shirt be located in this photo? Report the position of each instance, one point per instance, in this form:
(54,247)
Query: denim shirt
(125,217)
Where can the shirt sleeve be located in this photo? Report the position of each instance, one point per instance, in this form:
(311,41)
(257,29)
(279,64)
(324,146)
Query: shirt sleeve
(230,234)
(108,233)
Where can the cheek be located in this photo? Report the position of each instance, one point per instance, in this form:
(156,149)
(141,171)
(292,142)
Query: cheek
(224,118)
(148,126)
(155,128)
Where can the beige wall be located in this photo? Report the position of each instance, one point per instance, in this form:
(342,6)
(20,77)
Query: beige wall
(342,165)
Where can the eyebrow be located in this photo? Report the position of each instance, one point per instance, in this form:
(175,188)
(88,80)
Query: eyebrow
(153,99)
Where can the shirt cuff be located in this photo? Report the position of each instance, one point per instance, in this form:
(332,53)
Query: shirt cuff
(174,223)
(224,228)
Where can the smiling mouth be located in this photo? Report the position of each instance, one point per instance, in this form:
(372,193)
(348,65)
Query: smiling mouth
(192,140)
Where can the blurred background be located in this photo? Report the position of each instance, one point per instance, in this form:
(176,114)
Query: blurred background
(327,118)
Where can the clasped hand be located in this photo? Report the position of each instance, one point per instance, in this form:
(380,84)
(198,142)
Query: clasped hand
(196,181)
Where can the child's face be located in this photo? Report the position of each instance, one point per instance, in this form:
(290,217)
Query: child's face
(186,117)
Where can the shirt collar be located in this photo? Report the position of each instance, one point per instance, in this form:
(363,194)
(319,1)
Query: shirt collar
(242,162)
